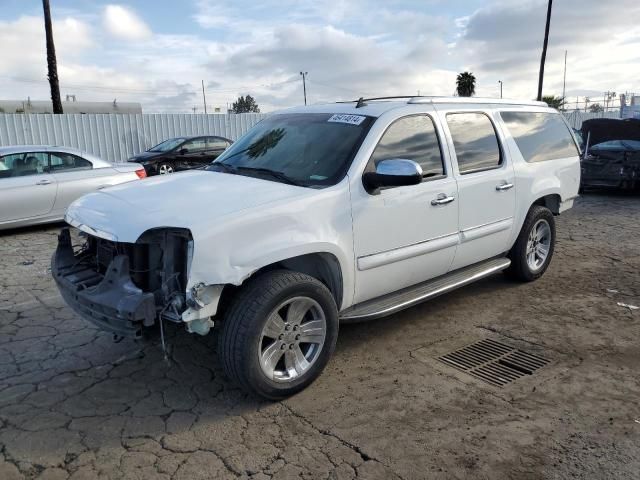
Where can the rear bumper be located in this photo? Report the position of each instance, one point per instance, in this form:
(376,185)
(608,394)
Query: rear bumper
(111,301)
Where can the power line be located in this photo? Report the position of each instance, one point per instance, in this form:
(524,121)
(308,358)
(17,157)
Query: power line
(177,90)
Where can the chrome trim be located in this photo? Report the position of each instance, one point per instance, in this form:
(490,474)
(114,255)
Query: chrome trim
(399,167)
(486,229)
(367,262)
(442,199)
(497,267)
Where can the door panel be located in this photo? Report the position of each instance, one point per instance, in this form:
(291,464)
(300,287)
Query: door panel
(26,190)
(196,155)
(486,189)
(400,237)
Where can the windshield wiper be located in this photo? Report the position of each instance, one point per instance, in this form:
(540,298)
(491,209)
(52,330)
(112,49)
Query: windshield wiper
(224,167)
(272,173)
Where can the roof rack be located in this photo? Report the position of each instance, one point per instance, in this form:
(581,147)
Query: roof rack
(503,101)
(413,99)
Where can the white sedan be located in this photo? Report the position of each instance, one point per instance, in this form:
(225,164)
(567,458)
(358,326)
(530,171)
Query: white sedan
(37,183)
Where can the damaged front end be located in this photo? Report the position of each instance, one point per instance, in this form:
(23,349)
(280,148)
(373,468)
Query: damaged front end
(123,287)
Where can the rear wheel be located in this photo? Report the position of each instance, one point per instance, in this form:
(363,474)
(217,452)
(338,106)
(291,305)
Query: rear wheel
(532,252)
(165,168)
(278,333)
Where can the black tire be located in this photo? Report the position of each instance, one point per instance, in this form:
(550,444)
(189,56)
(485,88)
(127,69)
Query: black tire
(520,268)
(238,342)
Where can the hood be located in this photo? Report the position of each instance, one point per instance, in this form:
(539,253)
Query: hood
(184,200)
(599,130)
(141,157)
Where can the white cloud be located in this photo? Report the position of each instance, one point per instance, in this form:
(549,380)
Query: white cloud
(122,22)
(350,48)
(504,42)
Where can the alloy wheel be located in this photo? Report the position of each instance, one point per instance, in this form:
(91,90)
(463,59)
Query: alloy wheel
(292,339)
(538,245)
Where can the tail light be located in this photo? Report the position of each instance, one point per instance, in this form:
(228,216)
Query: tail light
(141,173)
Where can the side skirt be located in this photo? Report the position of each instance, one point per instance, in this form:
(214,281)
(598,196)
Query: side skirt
(407,297)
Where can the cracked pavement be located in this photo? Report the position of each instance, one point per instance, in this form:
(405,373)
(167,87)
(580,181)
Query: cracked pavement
(74,404)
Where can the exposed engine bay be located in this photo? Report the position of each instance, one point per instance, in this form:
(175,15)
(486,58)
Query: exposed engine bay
(123,287)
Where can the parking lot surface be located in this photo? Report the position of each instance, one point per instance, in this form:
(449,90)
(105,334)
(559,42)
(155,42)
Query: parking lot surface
(74,404)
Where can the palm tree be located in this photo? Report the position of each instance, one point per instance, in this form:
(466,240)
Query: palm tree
(466,84)
(553,101)
(544,50)
(51,60)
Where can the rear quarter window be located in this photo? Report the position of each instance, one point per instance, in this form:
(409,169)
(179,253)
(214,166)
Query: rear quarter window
(540,136)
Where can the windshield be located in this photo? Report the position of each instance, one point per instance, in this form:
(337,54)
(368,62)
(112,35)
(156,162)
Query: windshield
(167,145)
(309,149)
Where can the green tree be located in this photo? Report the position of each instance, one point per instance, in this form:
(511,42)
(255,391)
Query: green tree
(245,105)
(596,108)
(553,101)
(466,84)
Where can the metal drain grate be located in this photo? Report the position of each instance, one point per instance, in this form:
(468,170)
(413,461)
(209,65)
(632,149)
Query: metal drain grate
(494,362)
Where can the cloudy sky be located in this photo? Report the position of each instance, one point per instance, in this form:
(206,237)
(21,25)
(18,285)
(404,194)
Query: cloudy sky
(157,52)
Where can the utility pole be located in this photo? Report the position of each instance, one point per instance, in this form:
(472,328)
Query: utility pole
(564,80)
(304,85)
(500,82)
(51,59)
(544,50)
(204,98)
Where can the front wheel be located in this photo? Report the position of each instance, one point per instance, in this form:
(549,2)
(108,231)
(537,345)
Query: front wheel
(532,252)
(278,333)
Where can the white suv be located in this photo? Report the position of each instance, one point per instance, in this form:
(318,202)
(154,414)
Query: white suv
(322,214)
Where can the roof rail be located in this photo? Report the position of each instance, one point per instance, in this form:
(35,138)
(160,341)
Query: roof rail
(362,99)
(502,101)
(413,99)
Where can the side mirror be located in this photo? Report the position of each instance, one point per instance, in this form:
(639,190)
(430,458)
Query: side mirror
(182,151)
(395,172)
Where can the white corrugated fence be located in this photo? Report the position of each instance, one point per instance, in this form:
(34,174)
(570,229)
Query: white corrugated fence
(117,137)
(576,117)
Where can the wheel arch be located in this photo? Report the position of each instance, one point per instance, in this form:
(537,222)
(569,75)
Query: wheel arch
(323,266)
(551,201)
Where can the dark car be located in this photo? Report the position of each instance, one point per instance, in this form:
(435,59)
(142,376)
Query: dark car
(181,153)
(611,156)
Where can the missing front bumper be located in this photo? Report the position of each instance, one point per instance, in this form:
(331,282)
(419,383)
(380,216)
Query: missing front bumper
(110,300)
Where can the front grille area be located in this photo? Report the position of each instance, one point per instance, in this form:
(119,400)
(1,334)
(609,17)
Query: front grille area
(124,286)
(494,362)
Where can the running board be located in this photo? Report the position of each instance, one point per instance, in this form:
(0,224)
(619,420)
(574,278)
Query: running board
(410,296)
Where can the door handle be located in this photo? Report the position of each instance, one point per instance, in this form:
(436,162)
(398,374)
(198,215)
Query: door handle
(43,182)
(442,199)
(504,186)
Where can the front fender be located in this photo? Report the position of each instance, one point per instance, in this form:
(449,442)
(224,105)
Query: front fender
(232,249)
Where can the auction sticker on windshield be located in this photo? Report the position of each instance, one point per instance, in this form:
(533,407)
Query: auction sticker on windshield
(345,118)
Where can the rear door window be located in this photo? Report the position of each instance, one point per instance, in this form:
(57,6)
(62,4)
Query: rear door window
(412,138)
(475,141)
(540,136)
(66,161)
(217,143)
